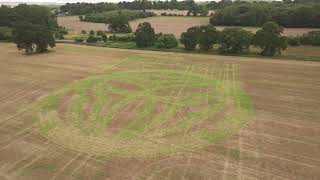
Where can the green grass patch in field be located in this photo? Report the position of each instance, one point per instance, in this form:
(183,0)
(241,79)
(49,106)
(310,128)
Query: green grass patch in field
(147,106)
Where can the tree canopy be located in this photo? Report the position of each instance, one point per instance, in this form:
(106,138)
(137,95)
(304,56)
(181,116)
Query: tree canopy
(256,14)
(34,28)
(119,24)
(235,40)
(269,39)
(144,35)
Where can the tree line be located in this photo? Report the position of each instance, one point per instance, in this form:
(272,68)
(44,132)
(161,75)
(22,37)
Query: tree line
(107,17)
(258,13)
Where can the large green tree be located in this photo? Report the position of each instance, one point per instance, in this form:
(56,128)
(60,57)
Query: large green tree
(190,38)
(144,35)
(34,28)
(208,35)
(119,24)
(235,40)
(269,39)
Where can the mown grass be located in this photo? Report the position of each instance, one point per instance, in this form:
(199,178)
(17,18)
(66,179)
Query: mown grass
(92,120)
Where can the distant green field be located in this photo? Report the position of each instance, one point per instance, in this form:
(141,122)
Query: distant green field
(146,107)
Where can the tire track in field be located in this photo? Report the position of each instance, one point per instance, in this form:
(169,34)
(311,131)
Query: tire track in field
(37,158)
(16,135)
(11,168)
(66,165)
(84,162)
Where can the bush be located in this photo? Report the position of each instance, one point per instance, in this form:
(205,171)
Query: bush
(293,41)
(104,38)
(100,33)
(92,39)
(167,41)
(5,34)
(78,40)
(60,32)
(2,37)
(125,38)
(235,40)
(84,32)
(91,33)
(311,38)
(144,35)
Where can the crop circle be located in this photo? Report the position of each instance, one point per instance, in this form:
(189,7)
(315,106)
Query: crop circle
(145,113)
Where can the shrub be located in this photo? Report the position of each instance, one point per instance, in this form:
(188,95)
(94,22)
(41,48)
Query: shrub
(235,40)
(100,33)
(190,38)
(167,41)
(125,38)
(78,40)
(293,41)
(144,35)
(84,32)
(156,36)
(60,32)
(269,39)
(104,38)
(5,35)
(311,38)
(2,37)
(92,39)
(91,33)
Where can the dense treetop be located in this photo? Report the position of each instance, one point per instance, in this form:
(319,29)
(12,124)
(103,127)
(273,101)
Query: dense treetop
(256,14)
(106,17)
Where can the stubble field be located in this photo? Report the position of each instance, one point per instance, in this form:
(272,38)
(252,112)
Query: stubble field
(164,24)
(83,112)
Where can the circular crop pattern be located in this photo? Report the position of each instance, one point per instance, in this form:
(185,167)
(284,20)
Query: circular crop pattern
(145,113)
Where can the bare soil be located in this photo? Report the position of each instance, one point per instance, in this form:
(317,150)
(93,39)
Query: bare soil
(282,142)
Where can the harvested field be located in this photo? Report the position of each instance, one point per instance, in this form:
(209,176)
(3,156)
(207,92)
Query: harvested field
(74,23)
(279,141)
(173,11)
(172,25)
(164,24)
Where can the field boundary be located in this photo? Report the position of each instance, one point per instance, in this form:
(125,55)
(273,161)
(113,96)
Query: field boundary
(252,55)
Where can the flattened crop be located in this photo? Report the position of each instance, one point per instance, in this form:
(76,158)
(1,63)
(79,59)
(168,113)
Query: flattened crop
(200,106)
